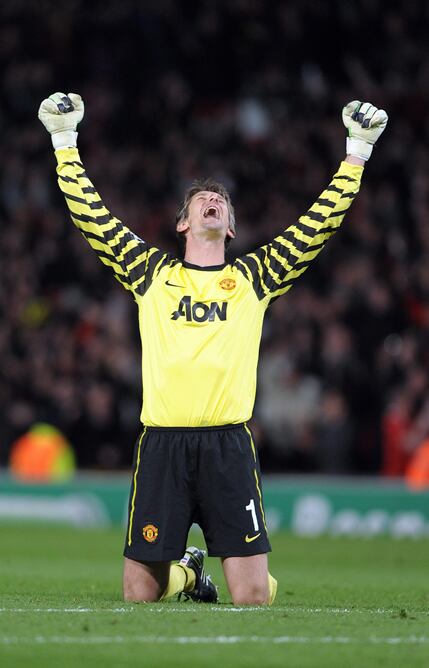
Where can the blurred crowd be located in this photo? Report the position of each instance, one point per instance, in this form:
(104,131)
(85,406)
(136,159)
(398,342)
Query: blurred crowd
(249,92)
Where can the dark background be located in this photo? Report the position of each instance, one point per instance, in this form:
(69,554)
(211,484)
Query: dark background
(249,92)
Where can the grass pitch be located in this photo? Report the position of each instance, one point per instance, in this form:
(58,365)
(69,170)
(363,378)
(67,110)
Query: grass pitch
(341,602)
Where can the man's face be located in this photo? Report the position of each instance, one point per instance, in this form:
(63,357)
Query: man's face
(208,217)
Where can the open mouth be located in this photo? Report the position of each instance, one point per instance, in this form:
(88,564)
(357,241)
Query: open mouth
(211,211)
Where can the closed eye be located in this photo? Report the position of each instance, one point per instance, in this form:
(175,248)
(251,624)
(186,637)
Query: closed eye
(221,199)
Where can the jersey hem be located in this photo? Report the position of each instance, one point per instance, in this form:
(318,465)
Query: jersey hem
(225,554)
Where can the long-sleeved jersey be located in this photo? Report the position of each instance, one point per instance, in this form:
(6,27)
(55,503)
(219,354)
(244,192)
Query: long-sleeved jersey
(201,327)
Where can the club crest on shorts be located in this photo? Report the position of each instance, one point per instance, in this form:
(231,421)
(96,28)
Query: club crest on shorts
(150,533)
(228,283)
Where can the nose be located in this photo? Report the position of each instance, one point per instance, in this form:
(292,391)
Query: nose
(213,197)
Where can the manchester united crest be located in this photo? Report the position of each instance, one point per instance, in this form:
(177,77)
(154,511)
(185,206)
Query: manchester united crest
(228,283)
(150,533)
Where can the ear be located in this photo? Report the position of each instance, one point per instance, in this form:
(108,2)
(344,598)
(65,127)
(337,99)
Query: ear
(230,233)
(182,226)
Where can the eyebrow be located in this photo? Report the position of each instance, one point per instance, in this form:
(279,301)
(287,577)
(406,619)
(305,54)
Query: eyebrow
(203,193)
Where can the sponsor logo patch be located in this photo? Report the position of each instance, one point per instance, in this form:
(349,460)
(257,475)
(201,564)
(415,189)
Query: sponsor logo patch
(228,283)
(200,311)
(150,533)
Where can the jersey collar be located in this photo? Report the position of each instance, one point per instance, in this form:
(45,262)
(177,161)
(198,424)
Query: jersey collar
(212,267)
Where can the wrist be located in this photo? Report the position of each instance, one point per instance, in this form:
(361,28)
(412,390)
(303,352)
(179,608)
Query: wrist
(64,139)
(358,148)
(354,160)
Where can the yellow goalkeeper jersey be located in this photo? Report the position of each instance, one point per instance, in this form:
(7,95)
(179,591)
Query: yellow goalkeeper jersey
(201,327)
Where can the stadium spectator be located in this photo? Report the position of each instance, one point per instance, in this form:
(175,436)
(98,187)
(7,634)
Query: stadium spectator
(288,408)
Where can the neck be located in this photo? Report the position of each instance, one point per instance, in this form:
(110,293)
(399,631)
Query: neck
(205,253)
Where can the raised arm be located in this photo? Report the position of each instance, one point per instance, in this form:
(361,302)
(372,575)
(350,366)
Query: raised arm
(133,261)
(273,268)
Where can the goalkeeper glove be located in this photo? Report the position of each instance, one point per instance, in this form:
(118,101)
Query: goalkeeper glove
(365,123)
(60,115)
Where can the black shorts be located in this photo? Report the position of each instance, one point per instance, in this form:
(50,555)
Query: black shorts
(207,475)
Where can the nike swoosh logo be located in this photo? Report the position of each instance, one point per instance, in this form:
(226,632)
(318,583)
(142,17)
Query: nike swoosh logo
(173,285)
(250,539)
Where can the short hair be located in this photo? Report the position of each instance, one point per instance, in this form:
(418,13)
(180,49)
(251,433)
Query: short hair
(198,186)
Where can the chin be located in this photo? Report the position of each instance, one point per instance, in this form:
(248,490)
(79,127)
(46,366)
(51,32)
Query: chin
(214,226)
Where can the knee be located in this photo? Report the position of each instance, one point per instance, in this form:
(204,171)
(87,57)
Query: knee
(250,595)
(140,597)
(142,582)
(140,594)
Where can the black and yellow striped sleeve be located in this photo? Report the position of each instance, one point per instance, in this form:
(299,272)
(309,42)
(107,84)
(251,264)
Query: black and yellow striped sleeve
(133,261)
(273,268)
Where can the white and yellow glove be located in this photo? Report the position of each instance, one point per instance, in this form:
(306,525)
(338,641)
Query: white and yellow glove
(60,114)
(365,123)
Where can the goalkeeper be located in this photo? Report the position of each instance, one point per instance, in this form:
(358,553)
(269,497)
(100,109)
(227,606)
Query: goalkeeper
(200,323)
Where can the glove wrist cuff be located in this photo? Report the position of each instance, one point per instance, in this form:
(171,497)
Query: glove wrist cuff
(64,139)
(359,148)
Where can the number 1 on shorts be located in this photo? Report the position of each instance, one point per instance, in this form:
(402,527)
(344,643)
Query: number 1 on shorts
(251,507)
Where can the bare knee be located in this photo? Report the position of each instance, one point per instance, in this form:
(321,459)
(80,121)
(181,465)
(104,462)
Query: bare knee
(144,582)
(247,579)
(131,596)
(250,595)
(140,593)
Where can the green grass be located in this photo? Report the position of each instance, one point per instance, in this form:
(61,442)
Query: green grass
(341,602)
